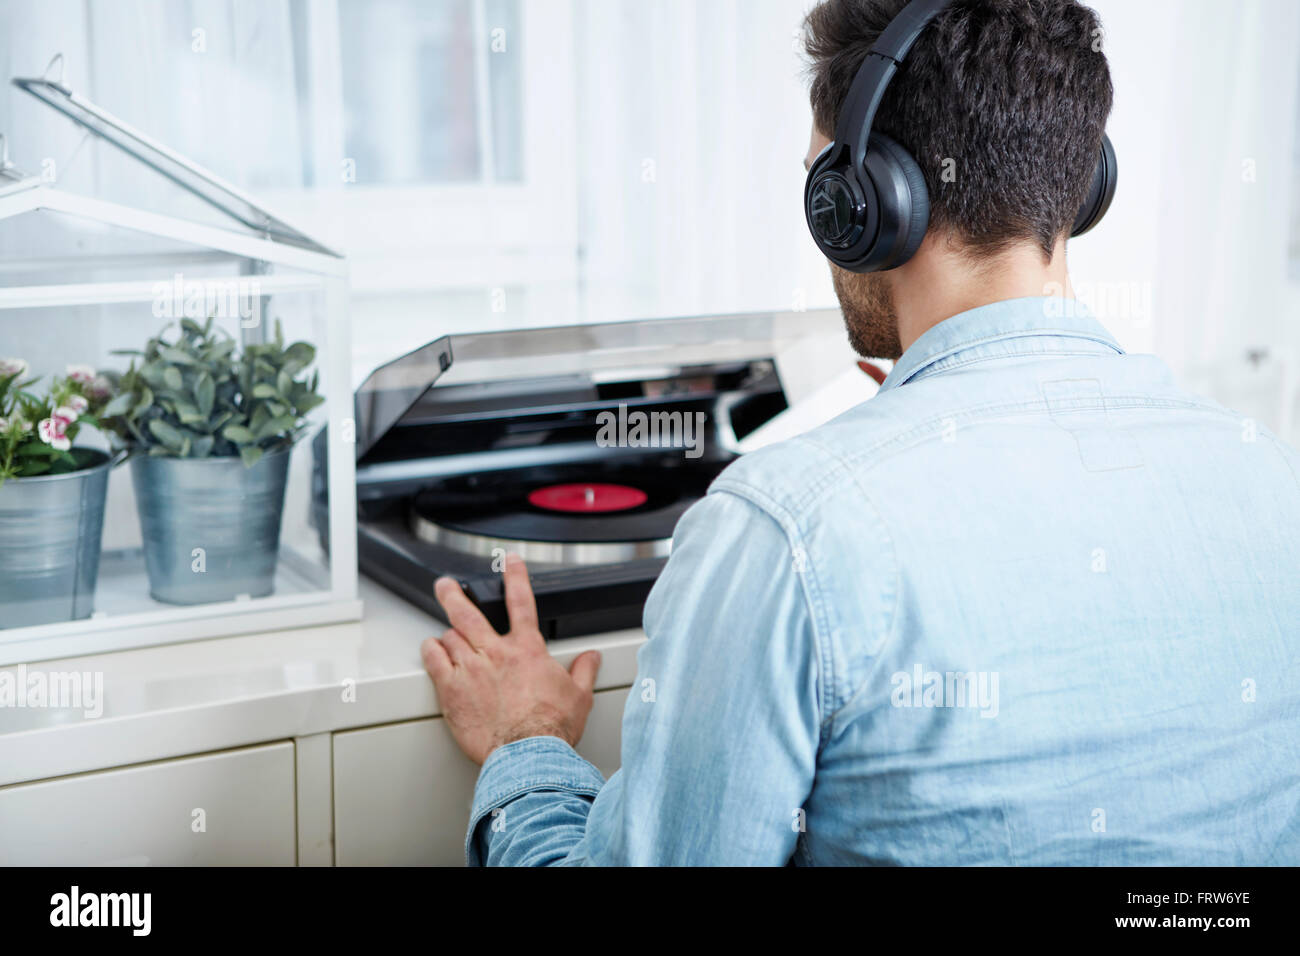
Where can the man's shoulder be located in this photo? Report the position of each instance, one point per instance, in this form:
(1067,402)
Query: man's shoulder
(786,478)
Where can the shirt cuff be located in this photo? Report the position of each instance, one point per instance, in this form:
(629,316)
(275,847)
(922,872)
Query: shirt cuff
(520,767)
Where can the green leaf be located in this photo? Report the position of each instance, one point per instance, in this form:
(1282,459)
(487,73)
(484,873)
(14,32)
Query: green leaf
(189,415)
(176,355)
(259,418)
(276,426)
(172,377)
(169,436)
(202,447)
(38,448)
(146,400)
(152,374)
(250,454)
(300,354)
(205,392)
(238,434)
(29,468)
(118,406)
(265,390)
(308,402)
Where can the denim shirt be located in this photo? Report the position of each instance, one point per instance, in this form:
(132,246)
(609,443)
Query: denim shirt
(1030,604)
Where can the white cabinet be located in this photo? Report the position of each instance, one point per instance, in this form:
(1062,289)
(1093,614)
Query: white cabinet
(402,792)
(150,814)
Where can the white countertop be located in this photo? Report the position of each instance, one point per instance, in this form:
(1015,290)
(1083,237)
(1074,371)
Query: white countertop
(207,695)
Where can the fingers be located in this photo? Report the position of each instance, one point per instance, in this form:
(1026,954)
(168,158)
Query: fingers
(457,648)
(520,604)
(462,614)
(436,660)
(584,668)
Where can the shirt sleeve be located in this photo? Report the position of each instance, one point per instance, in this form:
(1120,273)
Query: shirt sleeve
(721,728)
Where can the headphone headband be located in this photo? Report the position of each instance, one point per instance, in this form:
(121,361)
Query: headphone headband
(858,111)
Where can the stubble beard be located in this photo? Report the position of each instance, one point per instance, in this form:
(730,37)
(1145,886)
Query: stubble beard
(869,314)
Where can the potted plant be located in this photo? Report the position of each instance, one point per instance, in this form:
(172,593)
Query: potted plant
(51,495)
(210,428)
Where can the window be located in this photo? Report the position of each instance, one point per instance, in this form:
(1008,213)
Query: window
(433,156)
(431,90)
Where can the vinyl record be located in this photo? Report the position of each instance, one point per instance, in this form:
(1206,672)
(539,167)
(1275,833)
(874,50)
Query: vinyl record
(561,515)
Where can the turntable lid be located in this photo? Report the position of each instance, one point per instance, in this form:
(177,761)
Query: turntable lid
(390,390)
(583,353)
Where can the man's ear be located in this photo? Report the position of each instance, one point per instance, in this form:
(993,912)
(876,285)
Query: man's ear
(816,143)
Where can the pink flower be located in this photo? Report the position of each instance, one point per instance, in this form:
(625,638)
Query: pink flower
(100,388)
(12,366)
(51,432)
(85,374)
(64,415)
(78,404)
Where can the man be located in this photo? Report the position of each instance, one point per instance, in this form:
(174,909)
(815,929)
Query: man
(1030,604)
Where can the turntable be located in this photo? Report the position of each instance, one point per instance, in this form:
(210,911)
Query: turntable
(577,447)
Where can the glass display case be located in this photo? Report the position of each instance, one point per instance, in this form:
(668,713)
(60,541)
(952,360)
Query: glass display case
(161,377)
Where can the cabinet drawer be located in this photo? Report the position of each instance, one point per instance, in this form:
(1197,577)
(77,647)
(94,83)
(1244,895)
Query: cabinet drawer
(146,814)
(402,792)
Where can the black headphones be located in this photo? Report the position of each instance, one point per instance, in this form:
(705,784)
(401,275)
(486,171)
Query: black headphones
(865,197)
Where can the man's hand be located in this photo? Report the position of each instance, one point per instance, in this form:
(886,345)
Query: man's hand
(497,688)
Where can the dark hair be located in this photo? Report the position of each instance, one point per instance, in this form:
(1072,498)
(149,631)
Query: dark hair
(1016,92)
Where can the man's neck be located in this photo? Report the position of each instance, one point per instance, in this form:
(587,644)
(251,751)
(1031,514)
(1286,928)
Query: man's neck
(940,282)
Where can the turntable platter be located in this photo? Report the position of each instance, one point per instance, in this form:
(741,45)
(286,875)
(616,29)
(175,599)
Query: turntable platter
(560,518)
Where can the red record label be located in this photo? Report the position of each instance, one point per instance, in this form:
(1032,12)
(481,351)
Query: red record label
(581,498)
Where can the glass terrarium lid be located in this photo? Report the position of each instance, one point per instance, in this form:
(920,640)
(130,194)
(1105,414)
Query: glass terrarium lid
(185,173)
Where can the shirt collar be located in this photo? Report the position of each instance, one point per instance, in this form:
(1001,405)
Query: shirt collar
(994,328)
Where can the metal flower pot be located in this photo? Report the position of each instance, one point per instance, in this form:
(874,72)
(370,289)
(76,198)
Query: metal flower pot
(50,530)
(211,527)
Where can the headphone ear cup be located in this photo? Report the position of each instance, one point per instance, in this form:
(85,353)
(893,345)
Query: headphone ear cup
(904,203)
(1100,191)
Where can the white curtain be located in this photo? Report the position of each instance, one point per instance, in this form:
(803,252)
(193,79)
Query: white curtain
(1204,126)
(694,121)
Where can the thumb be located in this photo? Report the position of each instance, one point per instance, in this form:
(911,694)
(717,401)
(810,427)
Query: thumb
(584,668)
